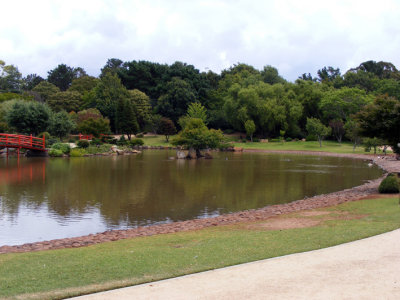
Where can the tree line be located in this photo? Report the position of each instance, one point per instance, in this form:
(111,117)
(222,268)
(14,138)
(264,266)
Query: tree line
(140,96)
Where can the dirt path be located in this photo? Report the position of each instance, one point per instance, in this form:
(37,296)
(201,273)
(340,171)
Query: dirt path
(388,163)
(364,269)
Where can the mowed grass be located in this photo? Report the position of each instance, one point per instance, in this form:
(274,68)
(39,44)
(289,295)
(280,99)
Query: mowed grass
(68,272)
(327,146)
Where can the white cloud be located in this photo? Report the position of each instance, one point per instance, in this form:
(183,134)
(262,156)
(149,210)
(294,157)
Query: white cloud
(294,36)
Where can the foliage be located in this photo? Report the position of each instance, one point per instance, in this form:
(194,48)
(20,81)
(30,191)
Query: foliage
(62,76)
(353,132)
(337,129)
(314,126)
(96,149)
(30,81)
(381,119)
(166,127)
(61,124)
(106,96)
(10,77)
(196,135)
(136,142)
(94,126)
(250,128)
(339,104)
(77,152)
(47,137)
(125,118)
(372,143)
(83,84)
(68,101)
(64,147)
(82,143)
(174,102)
(142,106)
(389,185)
(45,90)
(55,152)
(29,117)
(122,141)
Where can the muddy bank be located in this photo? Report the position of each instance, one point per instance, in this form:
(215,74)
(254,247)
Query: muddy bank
(388,163)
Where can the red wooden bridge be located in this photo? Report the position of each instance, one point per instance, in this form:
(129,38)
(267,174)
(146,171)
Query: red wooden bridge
(22,142)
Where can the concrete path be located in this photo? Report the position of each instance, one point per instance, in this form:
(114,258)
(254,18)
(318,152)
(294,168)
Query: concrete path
(365,269)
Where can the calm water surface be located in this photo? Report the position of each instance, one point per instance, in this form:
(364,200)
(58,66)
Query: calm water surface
(43,199)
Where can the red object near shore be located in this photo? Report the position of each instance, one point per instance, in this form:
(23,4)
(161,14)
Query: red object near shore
(22,141)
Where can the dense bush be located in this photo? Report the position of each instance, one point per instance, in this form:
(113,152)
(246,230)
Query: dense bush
(47,138)
(65,148)
(136,142)
(55,152)
(256,140)
(98,149)
(389,185)
(77,152)
(139,135)
(311,138)
(274,140)
(289,139)
(96,142)
(82,143)
(122,141)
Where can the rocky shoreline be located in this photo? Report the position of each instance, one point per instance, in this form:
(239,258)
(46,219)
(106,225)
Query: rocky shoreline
(387,163)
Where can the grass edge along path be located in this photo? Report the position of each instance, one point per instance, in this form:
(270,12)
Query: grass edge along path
(64,273)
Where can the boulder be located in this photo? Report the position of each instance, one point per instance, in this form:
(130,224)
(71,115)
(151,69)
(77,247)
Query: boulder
(180,154)
(208,155)
(192,154)
(237,149)
(120,152)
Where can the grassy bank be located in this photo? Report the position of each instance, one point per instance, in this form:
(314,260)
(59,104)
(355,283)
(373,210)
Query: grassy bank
(68,272)
(327,146)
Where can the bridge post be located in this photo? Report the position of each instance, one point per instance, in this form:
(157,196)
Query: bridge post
(44,141)
(31,141)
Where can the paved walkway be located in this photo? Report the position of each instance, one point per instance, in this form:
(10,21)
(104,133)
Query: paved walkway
(365,269)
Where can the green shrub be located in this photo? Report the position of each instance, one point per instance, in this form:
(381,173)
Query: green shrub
(136,142)
(52,141)
(96,141)
(229,131)
(77,152)
(289,139)
(122,141)
(47,137)
(389,185)
(83,144)
(55,152)
(65,148)
(98,149)
(311,138)
(140,135)
(274,140)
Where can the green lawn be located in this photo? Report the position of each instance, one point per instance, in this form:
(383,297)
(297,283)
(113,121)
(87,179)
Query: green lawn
(327,146)
(156,140)
(68,272)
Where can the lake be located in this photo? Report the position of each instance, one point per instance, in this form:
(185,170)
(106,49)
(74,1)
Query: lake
(49,198)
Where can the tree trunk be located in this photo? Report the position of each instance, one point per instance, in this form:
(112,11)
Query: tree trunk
(320,142)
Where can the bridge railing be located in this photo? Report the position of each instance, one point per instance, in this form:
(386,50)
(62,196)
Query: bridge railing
(22,141)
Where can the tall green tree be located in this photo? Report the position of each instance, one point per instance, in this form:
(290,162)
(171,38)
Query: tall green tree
(62,76)
(83,84)
(61,124)
(29,117)
(45,90)
(315,127)
(68,101)
(197,136)
(143,107)
(166,127)
(250,128)
(126,122)
(381,119)
(176,99)
(10,77)
(106,95)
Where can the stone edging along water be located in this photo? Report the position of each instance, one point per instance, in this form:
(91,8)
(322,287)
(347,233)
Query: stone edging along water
(387,163)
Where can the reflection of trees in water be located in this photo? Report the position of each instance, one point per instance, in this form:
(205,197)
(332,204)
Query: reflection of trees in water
(134,189)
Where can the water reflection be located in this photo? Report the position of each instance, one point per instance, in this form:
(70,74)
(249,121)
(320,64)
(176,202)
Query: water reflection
(70,197)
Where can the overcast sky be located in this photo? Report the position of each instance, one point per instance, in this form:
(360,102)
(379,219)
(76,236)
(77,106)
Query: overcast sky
(294,36)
